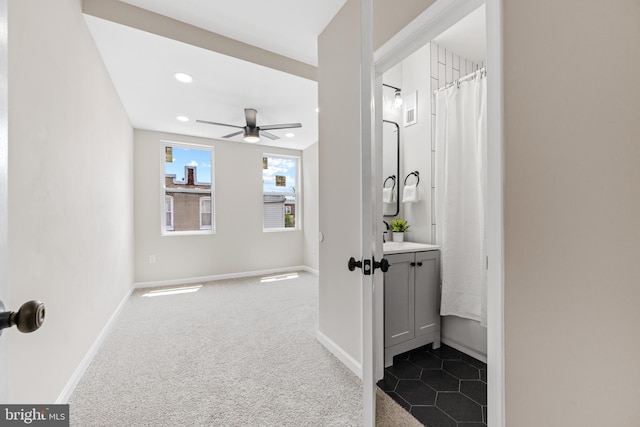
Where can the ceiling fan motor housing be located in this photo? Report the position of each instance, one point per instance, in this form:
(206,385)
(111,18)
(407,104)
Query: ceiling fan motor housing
(251,134)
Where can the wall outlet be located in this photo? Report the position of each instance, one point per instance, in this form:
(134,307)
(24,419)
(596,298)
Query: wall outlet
(152,259)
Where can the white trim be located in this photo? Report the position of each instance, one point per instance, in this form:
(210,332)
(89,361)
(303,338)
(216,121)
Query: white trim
(422,30)
(280,229)
(163,189)
(168,198)
(187,280)
(339,352)
(200,203)
(297,194)
(4,193)
(186,190)
(369,199)
(439,16)
(311,270)
(75,378)
(495,218)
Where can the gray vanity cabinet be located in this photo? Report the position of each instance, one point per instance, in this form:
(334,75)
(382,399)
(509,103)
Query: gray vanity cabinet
(411,302)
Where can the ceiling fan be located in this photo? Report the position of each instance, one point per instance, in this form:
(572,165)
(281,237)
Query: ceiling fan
(252,132)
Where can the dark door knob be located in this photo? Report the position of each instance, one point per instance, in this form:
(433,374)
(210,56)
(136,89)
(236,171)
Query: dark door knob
(352,264)
(29,317)
(382,265)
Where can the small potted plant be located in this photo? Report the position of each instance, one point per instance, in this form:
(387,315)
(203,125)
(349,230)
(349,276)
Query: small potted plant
(398,227)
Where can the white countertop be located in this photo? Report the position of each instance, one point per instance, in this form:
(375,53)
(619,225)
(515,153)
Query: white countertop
(400,247)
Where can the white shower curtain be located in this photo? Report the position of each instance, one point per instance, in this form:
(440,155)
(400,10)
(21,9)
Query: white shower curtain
(461,137)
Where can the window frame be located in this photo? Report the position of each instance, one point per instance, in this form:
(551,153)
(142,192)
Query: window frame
(169,199)
(298,195)
(163,190)
(205,199)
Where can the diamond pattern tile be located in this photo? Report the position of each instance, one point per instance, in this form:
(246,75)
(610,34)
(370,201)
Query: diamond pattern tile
(440,388)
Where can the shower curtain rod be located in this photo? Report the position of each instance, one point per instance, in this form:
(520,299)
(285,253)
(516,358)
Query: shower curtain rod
(470,76)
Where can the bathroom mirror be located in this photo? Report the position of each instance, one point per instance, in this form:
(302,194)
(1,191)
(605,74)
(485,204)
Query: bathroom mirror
(390,168)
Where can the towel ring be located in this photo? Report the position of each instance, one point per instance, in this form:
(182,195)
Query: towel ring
(392,178)
(417,175)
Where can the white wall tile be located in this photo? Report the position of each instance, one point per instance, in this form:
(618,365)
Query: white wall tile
(441,75)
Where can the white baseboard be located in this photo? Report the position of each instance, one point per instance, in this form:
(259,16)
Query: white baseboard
(188,280)
(311,270)
(343,356)
(86,361)
(463,348)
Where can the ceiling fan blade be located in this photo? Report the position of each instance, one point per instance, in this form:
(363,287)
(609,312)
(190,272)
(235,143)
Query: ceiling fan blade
(233,134)
(283,126)
(250,114)
(219,124)
(268,135)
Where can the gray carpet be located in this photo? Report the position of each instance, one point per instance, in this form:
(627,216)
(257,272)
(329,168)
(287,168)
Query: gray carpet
(235,353)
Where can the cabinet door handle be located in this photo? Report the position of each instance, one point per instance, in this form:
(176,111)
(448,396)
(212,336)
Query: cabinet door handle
(420,264)
(413,264)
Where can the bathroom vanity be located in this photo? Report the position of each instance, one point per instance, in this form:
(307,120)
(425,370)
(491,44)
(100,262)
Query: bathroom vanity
(411,298)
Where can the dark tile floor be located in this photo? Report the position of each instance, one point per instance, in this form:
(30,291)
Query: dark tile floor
(440,388)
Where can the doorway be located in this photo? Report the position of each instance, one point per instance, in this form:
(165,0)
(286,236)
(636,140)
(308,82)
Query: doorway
(4,201)
(425,29)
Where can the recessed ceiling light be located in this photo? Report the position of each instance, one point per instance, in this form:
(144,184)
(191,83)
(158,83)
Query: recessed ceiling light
(182,118)
(290,135)
(183,77)
(317,109)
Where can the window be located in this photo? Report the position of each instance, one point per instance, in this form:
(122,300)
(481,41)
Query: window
(188,189)
(280,192)
(168,212)
(205,213)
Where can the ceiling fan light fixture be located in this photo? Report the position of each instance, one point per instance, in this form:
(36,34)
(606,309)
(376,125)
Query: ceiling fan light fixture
(251,134)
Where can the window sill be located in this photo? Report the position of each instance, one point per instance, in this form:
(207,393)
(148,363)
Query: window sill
(279,230)
(187,233)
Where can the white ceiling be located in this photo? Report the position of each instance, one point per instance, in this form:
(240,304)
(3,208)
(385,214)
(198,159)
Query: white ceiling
(142,65)
(468,37)
(287,27)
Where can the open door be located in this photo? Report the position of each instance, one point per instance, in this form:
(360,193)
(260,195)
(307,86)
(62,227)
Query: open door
(346,201)
(371,215)
(4,208)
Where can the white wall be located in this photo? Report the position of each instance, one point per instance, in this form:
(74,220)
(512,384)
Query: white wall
(239,244)
(70,194)
(310,212)
(339,180)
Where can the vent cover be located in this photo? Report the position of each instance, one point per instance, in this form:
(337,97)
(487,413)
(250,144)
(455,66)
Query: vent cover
(410,106)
